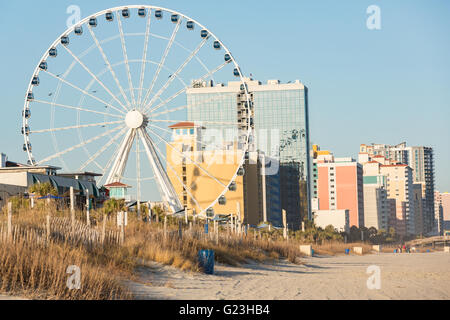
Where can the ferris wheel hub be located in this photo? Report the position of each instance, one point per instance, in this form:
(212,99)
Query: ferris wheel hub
(134,119)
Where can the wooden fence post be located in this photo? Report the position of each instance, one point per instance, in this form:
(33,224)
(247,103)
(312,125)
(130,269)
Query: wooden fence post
(104,229)
(165,228)
(216,232)
(88,220)
(122,229)
(48,228)
(72,209)
(180,230)
(232,223)
(9,221)
(284,225)
(122,234)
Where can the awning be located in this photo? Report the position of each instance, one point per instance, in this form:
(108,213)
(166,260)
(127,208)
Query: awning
(66,183)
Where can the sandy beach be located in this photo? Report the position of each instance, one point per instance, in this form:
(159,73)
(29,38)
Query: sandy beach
(5,297)
(403,276)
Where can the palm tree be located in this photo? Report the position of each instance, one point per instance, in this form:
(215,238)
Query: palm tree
(43,189)
(113,205)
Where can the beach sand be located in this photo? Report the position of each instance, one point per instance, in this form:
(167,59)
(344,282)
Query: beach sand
(7,297)
(403,276)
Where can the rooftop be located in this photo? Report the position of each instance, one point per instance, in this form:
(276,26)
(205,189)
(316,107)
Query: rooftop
(117,185)
(394,165)
(183,125)
(92,174)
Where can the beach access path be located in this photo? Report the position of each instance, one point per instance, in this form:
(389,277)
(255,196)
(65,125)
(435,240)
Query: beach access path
(403,276)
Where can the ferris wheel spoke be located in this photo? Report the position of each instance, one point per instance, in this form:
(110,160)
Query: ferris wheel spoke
(85,92)
(121,158)
(157,127)
(173,76)
(165,102)
(144,57)
(77,127)
(163,60)
(213,99)
(102,150)
(200,122)
(164,184)
(125,55)
(96,78)
(77,108)
(190,160)
(82,144)
(138,172)
(185,187)
(111,70)
(156,115)
(110,161)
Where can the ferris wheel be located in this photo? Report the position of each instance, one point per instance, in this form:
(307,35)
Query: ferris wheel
(108,94)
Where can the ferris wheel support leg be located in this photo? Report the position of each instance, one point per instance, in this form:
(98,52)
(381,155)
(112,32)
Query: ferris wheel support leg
(166,187)
(120,163)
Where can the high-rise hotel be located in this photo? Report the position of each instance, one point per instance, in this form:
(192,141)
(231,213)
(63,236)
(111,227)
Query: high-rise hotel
(421,161)
(280,123)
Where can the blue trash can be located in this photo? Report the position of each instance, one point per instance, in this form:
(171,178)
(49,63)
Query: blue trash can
(206,261)
(347,251)
(312,252)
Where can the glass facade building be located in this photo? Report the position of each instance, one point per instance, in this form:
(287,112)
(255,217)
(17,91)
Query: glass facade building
(281,128)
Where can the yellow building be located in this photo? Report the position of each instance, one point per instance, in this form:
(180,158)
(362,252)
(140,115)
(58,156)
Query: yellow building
(317,152)
(400,188)
(200,176)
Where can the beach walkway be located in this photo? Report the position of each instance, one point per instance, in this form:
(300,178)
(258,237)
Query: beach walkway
(403,276)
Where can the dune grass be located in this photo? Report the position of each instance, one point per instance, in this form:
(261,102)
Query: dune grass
(338,248)
(37,268)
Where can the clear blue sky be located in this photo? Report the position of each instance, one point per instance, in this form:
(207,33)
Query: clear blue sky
(385,86)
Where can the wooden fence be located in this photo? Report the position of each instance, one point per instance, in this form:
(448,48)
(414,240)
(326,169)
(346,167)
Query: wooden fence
(59,230)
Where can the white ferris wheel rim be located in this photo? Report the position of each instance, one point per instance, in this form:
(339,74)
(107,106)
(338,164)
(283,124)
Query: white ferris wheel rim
(86,20)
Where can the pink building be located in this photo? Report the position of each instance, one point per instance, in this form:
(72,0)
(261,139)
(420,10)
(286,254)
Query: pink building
(340,187)
(445,198)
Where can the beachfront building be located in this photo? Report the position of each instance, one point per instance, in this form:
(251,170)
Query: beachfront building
(438,214)
(281,132)
(118,191)
(421,160)
(338,185)
(446,210)
(400,188)
(418,203)
(196,189)
(376,208)
(16,178)
(397,180)
(339,219)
